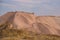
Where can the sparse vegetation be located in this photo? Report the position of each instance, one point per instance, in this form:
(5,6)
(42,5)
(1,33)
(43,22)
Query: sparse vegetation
(13,34)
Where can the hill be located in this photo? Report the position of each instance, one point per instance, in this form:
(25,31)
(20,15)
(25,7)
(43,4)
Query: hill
(38,24)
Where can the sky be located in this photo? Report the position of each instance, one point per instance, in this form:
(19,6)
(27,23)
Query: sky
(39,7)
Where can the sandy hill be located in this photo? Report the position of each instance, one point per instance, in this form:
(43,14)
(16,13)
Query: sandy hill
(31,22)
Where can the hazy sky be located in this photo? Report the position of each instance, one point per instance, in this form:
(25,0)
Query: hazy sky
(39,7)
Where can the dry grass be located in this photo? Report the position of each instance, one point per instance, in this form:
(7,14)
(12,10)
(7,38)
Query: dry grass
(13,34)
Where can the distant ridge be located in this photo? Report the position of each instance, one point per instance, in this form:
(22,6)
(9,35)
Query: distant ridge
(29,21)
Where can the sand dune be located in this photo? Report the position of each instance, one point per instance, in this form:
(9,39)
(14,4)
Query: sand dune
(31,22)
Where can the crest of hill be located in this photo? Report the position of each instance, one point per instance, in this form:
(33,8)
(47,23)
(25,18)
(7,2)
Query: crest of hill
(9,16)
